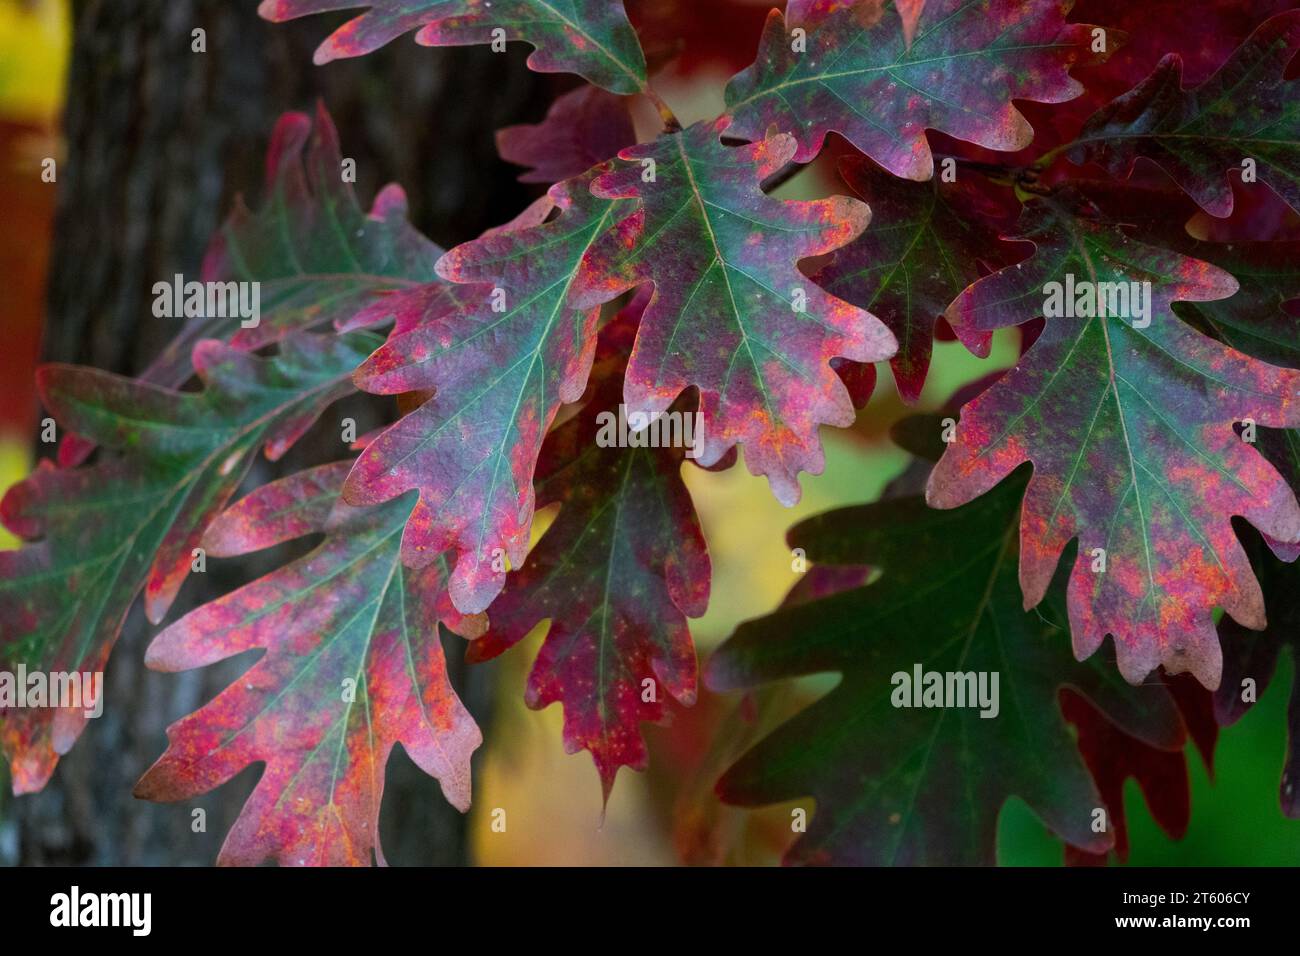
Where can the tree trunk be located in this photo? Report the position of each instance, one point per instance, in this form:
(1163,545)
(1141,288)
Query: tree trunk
(159,140)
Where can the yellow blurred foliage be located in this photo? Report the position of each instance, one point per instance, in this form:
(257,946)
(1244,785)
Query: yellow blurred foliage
(15,461)
(35,38)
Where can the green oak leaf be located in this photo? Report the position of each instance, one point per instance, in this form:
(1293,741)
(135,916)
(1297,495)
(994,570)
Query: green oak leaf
(910,785)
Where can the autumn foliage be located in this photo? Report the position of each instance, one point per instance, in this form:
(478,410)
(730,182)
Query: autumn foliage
(1117,509)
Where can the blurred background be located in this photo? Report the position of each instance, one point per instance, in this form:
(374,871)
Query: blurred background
(151,144)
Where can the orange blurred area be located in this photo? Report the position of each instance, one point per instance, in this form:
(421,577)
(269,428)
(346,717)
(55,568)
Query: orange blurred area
(34,43)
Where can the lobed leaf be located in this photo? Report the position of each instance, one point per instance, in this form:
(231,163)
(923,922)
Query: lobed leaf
(924,246)
(130,522)
(315,255)
(1112,758)
(731,313)
(1245,111)
(501,353)
(617,574)
(318,256)
(352,666)
(1130,431)
(879,74)
(924,785)
(592,38)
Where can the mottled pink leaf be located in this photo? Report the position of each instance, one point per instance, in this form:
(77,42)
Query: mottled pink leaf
(500,357)
(352,666)
(731,314)
(131,521)
(1130,431)
(863,79)
(617,574)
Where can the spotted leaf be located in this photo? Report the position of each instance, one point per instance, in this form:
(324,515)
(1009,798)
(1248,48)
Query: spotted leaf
(352,666)
(131,521)
(500,353)
(731,313)
(879,74)
(1128,418)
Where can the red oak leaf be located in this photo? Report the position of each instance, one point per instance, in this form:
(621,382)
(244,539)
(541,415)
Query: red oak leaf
(1262,319)
(731,313)
(1245,113)
(617,574)
(500,354)
(959,74)
(1127,417)
(353,665)
(102,534)
(1112,757)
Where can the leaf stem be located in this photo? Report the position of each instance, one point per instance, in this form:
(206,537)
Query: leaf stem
(671,124)
(997,172)
(1049,157)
